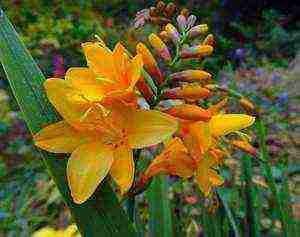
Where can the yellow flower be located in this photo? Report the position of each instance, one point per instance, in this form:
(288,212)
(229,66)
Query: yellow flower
(109,75)
(197,154)
(71,231)
(102,143)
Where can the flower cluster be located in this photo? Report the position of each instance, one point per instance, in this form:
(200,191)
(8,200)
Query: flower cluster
(103,122)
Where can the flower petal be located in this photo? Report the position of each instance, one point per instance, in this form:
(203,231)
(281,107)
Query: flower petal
(226,123)
(146,128)
(87,167)
(100,60)
(135,71)
(174,160)
(122,169)
(85,80)
(59,138)
(69,102)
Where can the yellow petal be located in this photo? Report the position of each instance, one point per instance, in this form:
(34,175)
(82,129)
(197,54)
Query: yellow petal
(146,128)
(59,138)
(135,71)
(87,167)
(85,80)
(226,123)
(100,60)
(69,102)
(202,177)
(122,169)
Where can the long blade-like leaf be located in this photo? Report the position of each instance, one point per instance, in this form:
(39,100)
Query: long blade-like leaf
(101,215)
(160,223)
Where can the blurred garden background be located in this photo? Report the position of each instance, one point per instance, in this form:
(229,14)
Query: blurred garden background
(257,53)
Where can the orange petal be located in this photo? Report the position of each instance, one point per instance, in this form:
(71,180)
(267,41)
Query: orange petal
(100,60)
(87,167)
(149,62)
(122,170)
(200,139)
(209,40)
(226,123)
(191,92)
(174,160)
(59,138)
(69,102)
(146,128)
(160,47)
(189,112)
(202,177)
(135,69)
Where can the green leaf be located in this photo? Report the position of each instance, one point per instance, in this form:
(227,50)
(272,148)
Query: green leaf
(160,223)
(101,214)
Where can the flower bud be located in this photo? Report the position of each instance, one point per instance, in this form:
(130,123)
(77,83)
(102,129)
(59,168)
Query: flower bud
(144,89)
(209,40)
(160,47)
(245,146)
(191,92)
(189,112)
(164,36)
(197,30)
(247,105)
(191,21)
(160,6)
(149,62)
(181,23)
(191,75)
(196,51)
(173,33)
(153,12)
(170,9)
(184,12)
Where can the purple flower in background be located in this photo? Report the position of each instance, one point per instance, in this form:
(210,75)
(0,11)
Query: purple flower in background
(240,54)
(283,98)
(275,77)
(259,72)
(58,65)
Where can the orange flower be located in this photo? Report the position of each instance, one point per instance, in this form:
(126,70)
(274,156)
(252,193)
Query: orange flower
(102,144)
(160,47)
(149,62)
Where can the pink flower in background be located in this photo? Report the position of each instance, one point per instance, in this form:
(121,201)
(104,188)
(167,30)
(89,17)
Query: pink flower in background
(58,65)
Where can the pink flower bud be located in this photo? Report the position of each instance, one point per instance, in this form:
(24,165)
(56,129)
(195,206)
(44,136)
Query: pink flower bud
(160,47)
(191,21)
(197,30)
(173,33)
(181,22)
(196,51)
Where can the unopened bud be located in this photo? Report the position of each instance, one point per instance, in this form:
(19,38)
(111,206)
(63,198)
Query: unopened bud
(144,89)
(191,92)
(189,112)
(196,51)
(191,21)
(197,30)
(164,36)
(181,22)
(191,75)
(209,40)
(184,12)
(173,33)
(245,146)
(150,63)
(247,105)
(160,6)
(160,47)
(170,9)
(216,108)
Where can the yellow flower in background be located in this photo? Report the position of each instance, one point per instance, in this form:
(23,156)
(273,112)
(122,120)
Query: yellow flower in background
(102,144)
(71,231)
